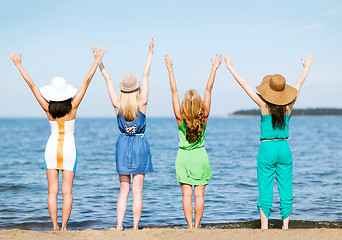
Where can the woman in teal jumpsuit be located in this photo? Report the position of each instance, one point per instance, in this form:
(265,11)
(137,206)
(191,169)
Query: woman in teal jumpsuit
(275,100)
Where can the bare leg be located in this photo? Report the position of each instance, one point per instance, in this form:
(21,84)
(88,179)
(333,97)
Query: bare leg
(52,177)
(121,205)
(68,179)
(187,203)
(199,204)
(286,223)
(263,219)
(137,186)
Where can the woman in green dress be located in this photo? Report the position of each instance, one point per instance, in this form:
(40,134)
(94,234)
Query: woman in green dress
(192,163)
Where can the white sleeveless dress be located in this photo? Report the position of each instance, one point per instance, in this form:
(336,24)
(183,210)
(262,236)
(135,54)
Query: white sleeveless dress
(60,151)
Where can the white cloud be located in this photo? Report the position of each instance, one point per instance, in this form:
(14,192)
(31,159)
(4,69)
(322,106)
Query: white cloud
(337,10)
(255,30)
(312,26)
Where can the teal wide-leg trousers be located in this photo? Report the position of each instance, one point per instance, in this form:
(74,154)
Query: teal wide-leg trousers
(275,158)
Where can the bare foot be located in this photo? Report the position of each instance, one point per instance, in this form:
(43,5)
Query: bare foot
(286,223)
(263,220)
(55,227)
(119,228)
(63,228)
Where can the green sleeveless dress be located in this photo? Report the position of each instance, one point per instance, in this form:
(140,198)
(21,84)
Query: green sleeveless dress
(192,163)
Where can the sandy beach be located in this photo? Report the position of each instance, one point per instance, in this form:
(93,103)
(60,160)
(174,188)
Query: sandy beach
(272,234)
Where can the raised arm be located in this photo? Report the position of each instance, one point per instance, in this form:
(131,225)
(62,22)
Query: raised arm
(174,92)
(251,93)
(80,94)
(306,64)
(17,61)
(111,90)
(207,93)
(144,87)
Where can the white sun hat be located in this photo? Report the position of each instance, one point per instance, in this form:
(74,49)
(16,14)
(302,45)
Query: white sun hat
(58,90)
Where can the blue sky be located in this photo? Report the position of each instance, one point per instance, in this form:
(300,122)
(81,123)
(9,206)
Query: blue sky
(264,37)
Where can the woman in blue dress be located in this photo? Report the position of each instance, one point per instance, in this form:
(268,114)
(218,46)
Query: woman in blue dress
(133,156)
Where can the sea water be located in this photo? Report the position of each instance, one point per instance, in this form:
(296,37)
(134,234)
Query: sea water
(230,197)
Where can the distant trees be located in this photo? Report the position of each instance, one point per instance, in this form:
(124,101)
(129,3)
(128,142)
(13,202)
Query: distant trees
(296,112)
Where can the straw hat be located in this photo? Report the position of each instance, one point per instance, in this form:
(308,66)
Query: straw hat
(129,83)
(274,89)
(58,90)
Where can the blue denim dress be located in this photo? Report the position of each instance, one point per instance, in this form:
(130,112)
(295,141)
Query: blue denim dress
(133,155)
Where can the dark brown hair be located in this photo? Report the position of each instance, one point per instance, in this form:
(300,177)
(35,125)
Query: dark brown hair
(60,109)
(278,113)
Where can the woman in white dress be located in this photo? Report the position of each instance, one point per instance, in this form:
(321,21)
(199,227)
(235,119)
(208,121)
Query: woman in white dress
(60,101)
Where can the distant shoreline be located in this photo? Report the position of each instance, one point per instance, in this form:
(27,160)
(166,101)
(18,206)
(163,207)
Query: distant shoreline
(256,116)
(315,112)
(306,112)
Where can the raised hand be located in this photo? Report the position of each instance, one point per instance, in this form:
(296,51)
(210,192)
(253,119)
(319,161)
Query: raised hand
(308,60)
(229,62)
(306,64)
(17,61)
(169,63)
(151,46)
(217,62)
(98,54)
(15,58)
(93,48)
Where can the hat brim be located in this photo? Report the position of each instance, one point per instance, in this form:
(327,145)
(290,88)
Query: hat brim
(277,97)
(51,94)
(131,89)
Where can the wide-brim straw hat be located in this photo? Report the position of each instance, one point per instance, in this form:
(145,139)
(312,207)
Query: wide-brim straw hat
(274,89)
(58,90)
(129,83)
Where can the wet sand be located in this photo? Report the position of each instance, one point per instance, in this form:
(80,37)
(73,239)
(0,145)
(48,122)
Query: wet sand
(272,234)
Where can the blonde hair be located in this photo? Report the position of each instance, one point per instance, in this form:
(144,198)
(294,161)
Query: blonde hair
(129,104)
(193,115)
